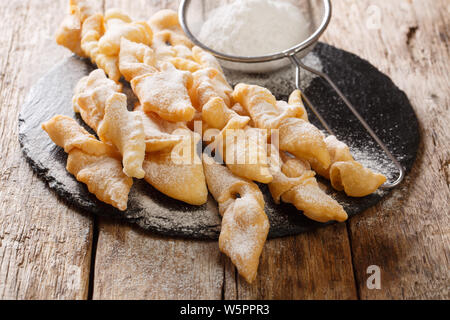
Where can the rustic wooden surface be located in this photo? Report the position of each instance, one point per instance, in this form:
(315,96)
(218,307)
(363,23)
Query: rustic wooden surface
(51,251)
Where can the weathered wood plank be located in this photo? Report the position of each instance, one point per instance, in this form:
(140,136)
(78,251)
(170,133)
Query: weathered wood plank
(131,264)
(408,235)
(45,246)
(315,265)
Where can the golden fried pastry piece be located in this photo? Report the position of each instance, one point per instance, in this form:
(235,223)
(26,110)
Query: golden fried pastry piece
(346,174)
(126,131)
(167,21)
(120,26)
(178,172)
(354,179)
(104,109)
(69,32)
(205,59)
(243,148)
(92,162)
(339,152)
(295,101)
(66,133)
(91,94)
(304,141)
(245,152)
(136,59)
(159,132)
(166,93)
(209,83)
(92,31)
(262,106)
(217,115)
(296,136)
(295,183)
(185,64)
(193,60)
(169,38)
(244,225)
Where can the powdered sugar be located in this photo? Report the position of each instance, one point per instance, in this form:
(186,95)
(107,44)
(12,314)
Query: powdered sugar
(254,27)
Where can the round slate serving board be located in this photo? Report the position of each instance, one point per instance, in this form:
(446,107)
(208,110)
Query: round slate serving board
(379,101)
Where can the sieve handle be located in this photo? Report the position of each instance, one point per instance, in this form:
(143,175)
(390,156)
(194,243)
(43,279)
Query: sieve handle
(298,66)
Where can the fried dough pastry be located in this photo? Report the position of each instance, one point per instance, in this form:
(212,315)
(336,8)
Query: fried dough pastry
(245,153)
(346,174)
(166,22)
(92,162)
(69,32)
(262,106)
(217,115)
(244,224)
(304,141)
(242,147)
(103,176)
(209,83)
(185,64)
(120,26)
(104,109)
(193,60)
(136,59)
(126,131)
(66,133)
(169,38)
(166,93)
(159,133)
(295,183)
(178,172)
(91,94)
(295,100)
(92,31)
(296,135)
(205,59)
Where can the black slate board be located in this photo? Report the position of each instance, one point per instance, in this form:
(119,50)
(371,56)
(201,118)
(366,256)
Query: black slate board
(380,102)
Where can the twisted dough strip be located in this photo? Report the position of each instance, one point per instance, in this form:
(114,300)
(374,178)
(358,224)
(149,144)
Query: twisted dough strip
(243,148)
(244,225)
(295,183)
(120,26)
(159,133)
(126,131)
(346,174)
(98,37)
(163,91)
(104,109)
(92,31)
(136,59)
(69,32)
(169,38)
(178,172)
(92,162)
(209,83)
(296,135)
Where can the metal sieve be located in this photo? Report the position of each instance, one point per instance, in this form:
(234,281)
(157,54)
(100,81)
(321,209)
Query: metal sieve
(189,9)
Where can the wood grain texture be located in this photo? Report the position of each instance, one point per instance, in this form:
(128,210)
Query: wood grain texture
(314,265)
(408,235)
(45,246)
(131,264)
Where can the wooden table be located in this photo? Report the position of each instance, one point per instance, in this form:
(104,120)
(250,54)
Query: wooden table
(51,251)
